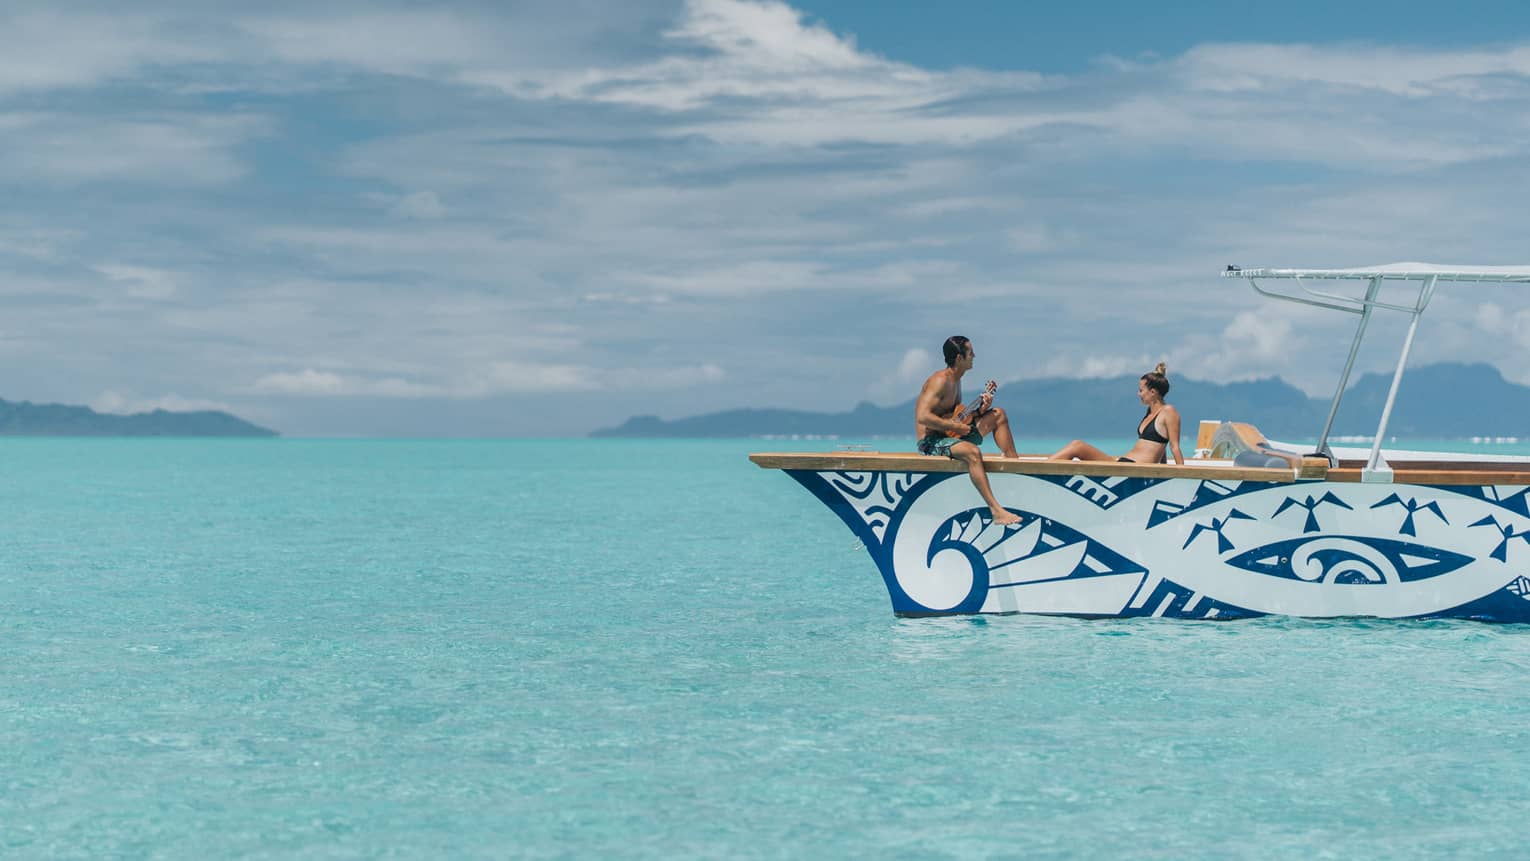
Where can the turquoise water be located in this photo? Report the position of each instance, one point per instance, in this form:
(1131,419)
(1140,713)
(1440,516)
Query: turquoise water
(342,649)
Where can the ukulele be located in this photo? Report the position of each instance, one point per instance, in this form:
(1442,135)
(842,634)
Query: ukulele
(970,413)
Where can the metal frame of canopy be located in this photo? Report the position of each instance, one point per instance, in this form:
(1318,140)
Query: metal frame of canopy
(1428,275)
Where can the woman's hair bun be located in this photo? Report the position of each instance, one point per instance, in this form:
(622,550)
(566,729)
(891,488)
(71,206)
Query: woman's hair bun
(1161,370)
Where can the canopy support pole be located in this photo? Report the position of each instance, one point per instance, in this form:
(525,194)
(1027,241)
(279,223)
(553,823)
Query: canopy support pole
(1375,470)
(1354,349)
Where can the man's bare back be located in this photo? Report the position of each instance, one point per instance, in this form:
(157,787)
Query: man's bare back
(941,392)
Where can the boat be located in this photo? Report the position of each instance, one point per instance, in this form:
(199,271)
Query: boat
(1246,527)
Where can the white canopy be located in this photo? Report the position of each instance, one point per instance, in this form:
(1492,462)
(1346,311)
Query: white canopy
(1393,272)
(1423,276)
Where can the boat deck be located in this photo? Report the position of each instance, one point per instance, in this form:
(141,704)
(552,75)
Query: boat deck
(1405,471)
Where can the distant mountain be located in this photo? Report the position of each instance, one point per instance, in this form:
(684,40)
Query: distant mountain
(29,419)
(1435,401)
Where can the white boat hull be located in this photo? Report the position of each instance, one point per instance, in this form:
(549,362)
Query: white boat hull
(1198,548)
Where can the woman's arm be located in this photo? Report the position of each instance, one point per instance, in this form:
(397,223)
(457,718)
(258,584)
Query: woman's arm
(1171,424)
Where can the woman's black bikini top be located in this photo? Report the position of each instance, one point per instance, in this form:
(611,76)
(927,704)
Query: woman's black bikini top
(1150,433)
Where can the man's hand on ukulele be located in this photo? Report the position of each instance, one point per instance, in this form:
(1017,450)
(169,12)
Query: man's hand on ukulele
(986,402)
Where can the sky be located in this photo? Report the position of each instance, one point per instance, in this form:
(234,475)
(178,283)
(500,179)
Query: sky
(537,218)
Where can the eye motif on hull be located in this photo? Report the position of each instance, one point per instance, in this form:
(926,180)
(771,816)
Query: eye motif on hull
(1349,560)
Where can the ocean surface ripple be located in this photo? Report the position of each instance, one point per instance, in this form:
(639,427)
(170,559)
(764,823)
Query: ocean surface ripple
(613,649)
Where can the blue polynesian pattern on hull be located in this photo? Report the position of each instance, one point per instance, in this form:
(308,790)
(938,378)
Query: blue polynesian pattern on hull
(1188,548)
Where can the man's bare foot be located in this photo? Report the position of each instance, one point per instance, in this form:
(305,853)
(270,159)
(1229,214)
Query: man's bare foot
(1005,517)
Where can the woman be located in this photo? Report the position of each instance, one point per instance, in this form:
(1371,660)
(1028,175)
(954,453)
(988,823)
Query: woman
(1159,427)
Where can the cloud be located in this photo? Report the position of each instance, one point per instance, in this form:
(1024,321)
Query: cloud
(767,35)
(612,298)
(1039,239)
(164,149)
(765,76)
(311,383)
(1257,336)
(739,71)
(421,204)
(662,379)
(916,364)
(35,244)
(458,43)
(496,379)
(1252,345)
(728,49)
(502,202)
(1095,366)
(751,277)
(393,42)
(522,377)
(76,48)
(140,282)
(755,73)
(47,49)
(304,382)
(121,404)
(1494,320)
(1414,73)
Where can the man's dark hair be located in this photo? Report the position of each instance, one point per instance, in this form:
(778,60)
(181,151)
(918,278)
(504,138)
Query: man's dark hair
(955,347)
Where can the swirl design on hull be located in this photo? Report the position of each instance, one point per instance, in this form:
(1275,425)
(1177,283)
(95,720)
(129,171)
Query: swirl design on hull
(952,570)
(965,563)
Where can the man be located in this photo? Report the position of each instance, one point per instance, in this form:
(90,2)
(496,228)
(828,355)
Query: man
(938,400)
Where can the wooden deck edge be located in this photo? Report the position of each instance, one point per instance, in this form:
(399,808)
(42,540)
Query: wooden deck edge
(1024,465)
(1440,476)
